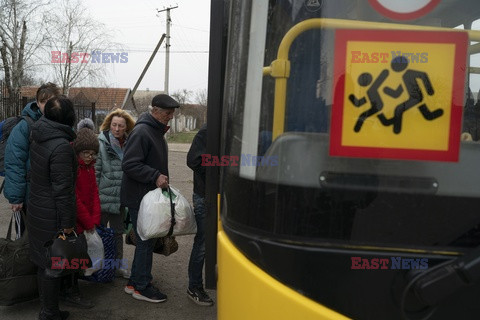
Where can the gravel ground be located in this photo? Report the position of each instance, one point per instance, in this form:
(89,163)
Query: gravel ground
(170,273)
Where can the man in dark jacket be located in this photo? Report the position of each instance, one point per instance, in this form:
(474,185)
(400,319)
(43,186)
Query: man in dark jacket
(51,205)
(145,167)
(197,257)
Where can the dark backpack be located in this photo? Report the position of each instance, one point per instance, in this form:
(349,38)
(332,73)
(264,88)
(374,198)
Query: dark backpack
(6,127)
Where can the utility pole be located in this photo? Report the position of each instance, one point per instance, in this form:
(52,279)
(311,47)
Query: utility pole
(167,46)
(132,93)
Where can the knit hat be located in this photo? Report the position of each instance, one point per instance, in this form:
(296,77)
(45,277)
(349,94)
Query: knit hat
(86,138)
(86,123)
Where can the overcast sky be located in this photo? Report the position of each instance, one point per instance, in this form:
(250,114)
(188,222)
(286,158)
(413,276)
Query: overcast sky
(138,27)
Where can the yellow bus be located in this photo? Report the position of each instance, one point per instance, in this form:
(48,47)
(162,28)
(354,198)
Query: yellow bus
(351,183)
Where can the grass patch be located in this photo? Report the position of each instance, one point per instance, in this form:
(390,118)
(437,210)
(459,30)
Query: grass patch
(182,137)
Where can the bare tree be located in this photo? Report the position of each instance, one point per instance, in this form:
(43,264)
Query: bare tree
(201,97)
(182,96)
(20,38)
(30,79)
(79,46)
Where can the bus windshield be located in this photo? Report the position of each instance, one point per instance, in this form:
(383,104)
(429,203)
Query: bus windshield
(344,125)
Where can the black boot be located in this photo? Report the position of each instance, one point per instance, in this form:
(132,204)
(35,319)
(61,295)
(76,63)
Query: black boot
(76,300)
(49,290)
(72,297)
(61,316)
(40,284)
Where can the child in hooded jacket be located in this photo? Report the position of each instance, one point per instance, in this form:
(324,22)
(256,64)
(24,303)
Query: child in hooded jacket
(88,202)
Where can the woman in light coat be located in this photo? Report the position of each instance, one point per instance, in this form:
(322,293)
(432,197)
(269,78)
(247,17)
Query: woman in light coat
(114,131)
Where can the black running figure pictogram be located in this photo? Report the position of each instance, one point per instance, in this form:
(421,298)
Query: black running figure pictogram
(410,80)
(376,103)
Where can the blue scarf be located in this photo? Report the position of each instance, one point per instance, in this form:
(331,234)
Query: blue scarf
(116,145)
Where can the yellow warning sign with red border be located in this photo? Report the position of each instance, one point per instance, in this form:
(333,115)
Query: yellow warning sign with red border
(398,94)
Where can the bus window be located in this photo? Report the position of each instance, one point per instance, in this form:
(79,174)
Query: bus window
(471,123)
(308,191)
(299,210)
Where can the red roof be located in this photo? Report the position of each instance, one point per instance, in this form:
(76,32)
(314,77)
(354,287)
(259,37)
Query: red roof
(104,98)
(29,92)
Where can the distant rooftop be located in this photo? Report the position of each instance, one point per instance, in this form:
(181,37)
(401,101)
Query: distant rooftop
(104,98)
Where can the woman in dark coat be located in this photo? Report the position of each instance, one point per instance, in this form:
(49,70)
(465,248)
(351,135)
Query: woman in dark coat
(51,205)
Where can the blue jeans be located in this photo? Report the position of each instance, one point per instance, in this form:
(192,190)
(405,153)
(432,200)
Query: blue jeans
(197,257)
(141,274)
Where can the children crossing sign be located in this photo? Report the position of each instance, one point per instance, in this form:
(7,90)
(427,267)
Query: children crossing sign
(398,94)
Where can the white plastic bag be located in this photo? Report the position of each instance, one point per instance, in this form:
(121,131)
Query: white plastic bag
(154,215)
(95,251)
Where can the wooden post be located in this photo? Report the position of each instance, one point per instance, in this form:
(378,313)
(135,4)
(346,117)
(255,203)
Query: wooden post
(94,116)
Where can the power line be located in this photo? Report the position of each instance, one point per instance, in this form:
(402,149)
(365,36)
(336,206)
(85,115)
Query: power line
(45,46)
(178,25)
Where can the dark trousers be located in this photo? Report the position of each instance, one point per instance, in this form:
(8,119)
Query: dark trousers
(197,256)
(48,289)
(142,259)
(69,284)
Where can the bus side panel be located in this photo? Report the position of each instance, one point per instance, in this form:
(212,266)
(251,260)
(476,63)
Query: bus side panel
(247,292)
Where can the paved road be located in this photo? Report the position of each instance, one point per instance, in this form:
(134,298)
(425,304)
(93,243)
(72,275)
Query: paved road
(170,274)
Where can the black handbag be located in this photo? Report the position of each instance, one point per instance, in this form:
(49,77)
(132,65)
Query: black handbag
(18,274)
(66,254)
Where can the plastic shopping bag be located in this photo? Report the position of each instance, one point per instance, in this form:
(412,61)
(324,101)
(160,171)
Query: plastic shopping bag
(154,215)
(95,251)
(110,263)
(184,215)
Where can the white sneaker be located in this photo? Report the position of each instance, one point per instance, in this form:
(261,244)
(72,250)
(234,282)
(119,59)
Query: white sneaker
(125,273)
(129,289)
